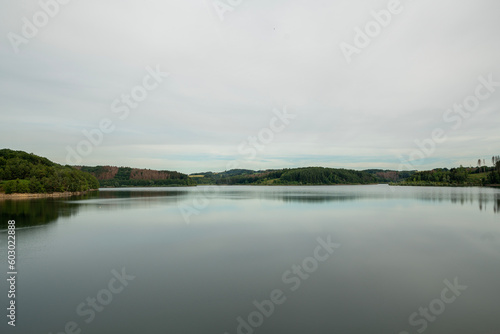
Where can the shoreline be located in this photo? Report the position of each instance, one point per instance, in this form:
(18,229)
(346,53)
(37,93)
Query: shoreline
(447,185)
(18,196)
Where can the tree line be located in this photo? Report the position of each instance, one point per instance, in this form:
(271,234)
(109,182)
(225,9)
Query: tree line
(22,172)
(480,176)
(293,176)
(456,176)
(494,176)
(111,176)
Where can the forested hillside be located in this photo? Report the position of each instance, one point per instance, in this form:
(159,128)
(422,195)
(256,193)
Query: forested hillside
(385,176)
(111,176)
(22,172)
(294,176)
(473,176)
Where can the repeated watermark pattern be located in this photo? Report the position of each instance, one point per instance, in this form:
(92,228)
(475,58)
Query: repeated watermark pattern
(363,37)
(248,150)
(250,147)
(454,117)
(293,279)
(224,7)
(120,106)
(436,307)
(30,28)
(92,305)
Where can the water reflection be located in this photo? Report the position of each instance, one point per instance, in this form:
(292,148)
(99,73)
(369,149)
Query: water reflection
(40,211)
(140,192)
(35,212)
(485,197)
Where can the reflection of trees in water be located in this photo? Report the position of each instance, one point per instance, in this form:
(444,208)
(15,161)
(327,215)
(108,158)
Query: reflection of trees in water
(318,199)
(483,199)
(484,202)
(456,196)
(35,212)
(496,207)
(40,211)
(288,196)
(139,194)
(129,199)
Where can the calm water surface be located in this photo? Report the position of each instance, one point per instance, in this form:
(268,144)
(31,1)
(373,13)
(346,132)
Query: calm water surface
(256,260)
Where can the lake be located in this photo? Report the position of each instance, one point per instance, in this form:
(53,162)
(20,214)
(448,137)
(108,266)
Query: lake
(251,259)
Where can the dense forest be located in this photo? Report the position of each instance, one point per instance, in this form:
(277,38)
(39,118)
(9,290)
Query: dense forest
(294,176)
(111,176)
(472,176)
(461,176)
(494,176)
(385,175)
(22,172)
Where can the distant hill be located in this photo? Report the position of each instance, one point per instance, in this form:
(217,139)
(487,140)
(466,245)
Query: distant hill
(111,176)
(385,175)
(22,172)
(462,176)
(287,176)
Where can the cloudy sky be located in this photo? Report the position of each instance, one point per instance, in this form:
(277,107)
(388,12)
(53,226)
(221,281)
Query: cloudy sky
(359,93)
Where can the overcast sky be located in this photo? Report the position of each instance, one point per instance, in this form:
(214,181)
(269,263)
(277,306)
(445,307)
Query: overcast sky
(234,65)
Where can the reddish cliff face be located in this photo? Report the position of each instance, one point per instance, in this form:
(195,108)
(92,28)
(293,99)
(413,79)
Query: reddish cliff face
(126,173)
(388,175)
(108,173)
(148,174)
(101,172)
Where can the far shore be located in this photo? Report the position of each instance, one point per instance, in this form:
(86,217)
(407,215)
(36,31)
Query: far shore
(24,196)
(16,196)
